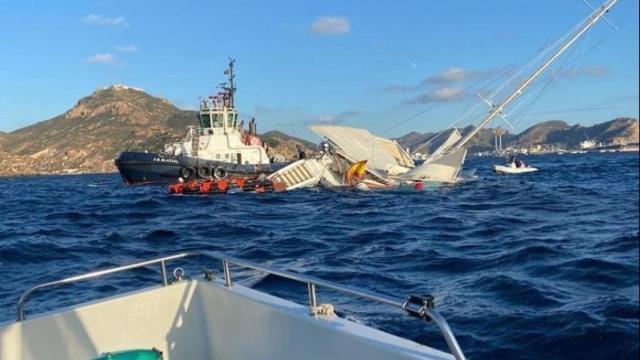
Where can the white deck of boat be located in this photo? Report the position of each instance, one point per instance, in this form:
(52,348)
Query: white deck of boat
(201,320)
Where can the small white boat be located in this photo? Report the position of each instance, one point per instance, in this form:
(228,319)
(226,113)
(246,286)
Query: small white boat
(211,317)
(513,169)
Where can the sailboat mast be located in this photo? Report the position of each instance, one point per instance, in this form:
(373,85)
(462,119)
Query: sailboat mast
(597,15)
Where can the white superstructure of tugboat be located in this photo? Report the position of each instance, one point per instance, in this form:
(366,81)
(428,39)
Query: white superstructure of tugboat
(217,147)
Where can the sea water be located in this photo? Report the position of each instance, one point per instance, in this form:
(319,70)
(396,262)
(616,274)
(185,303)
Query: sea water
(541,265)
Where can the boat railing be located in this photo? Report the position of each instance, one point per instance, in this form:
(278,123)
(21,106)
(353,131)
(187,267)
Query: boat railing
(420,306)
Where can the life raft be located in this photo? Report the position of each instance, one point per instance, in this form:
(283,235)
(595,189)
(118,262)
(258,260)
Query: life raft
(223,186)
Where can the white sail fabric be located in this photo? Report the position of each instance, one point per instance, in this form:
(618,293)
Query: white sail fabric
(453,138)
(355,144)
(444,168)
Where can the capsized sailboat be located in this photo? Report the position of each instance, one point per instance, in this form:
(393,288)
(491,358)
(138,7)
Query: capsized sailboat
(450,157)
(390,164)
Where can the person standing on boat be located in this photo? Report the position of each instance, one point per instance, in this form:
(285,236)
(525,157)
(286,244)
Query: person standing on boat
(301,153)
(325,146)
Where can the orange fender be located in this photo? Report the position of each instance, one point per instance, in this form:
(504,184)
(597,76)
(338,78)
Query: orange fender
(176,188)
(206,186)
(192,185)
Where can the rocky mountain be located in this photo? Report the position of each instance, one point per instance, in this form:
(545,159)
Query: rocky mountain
(544,133)
(482,141)
(4,137)
(620,130)
(414,139)
(89,136)
(549,133)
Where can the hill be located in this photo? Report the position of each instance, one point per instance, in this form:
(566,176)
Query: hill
(89,136)
(414,139)
(286,145)
(4,137)
(544,133)
(620,130)
(481,142)
(549,133)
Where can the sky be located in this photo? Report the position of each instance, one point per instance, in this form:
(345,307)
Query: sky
(388,66)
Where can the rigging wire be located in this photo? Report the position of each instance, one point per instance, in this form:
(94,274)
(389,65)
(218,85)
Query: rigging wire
(550,79)
(585,50)
(518,66)
(533,59)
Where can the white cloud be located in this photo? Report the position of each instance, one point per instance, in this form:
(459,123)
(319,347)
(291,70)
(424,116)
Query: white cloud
(99,20)
(401,88)
(325,119)
(333,119)
(126,48)
(101,59)
(347,114)
(331,25)
(576,72)
(443,94)
(450,75)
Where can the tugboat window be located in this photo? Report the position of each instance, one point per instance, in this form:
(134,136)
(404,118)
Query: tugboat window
(231,120)
(216,120)
(205,121)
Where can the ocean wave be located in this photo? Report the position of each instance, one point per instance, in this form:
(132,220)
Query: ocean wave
(541,266)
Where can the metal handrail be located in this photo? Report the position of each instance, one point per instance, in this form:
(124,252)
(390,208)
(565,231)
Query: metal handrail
(426,312)
(163,271)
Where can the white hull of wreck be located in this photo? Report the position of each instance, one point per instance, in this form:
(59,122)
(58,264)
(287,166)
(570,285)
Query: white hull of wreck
(443,169)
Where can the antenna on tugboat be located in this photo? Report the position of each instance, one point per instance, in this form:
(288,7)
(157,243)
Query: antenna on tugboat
(232,88)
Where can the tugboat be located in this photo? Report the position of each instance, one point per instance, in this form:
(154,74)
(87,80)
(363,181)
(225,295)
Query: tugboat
(217,148)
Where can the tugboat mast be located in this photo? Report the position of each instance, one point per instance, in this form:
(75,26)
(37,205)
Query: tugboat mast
(231,89)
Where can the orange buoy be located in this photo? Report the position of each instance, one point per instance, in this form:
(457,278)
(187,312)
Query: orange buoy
(176,188)
(222,185)
(206,186)
(193,185)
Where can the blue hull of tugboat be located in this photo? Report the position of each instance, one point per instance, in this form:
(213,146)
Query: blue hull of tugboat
(147,167)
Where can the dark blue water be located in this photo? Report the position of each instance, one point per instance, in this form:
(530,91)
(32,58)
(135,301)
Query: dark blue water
(535,266)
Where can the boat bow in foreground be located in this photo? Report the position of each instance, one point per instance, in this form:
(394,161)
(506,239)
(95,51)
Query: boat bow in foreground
(213,318)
